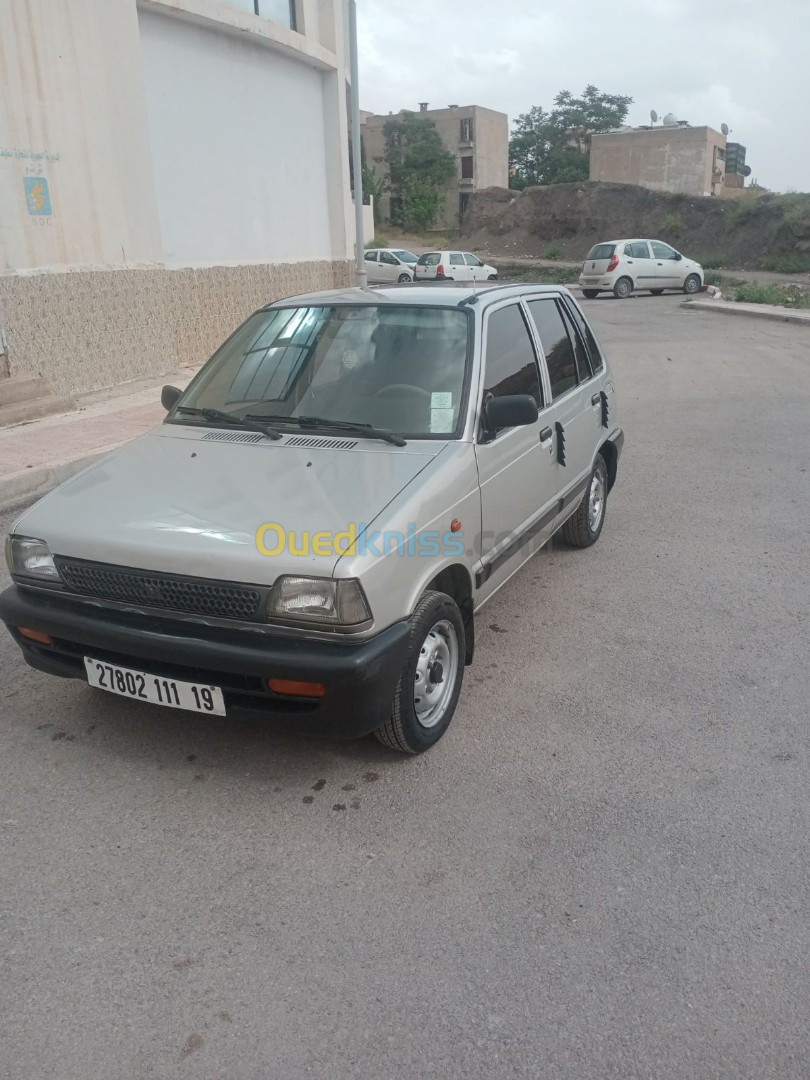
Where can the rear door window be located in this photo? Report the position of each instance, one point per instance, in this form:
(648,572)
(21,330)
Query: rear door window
(594,352)
(639,250)
(511,364)
(557,346)
(371,256)
(602,251)
(456,259)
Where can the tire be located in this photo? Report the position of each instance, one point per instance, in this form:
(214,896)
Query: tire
(657,292)
(492,277)
(436,626)
(584,527)
(622,288)
(590,294)
(403,278)
(691,285)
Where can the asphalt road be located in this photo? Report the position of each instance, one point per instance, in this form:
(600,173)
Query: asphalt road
(600,872)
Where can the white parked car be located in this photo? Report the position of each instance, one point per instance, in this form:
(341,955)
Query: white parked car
(386,265)
(622,266)
(453,266)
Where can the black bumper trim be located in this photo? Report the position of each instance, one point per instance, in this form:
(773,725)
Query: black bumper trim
(360,677)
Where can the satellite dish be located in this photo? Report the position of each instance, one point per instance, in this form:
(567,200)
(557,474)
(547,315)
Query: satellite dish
(670,120)
(724,128)
(747,170)
(653,115)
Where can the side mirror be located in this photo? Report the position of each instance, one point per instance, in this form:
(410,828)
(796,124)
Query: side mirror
(169,396)
(514,410)
(678,256)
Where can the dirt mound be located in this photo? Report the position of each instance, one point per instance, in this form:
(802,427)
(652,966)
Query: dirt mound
(573,217)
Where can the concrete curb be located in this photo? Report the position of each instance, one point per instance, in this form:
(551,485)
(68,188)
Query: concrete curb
(21,488)
(762,311)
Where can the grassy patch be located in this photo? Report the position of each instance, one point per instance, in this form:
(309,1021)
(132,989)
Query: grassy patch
(785,264)
(553,253)
(778,295)
(711,262)
(378,242)
(744,209)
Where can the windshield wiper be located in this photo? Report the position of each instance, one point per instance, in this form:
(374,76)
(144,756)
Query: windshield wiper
(342,425)
(219,417)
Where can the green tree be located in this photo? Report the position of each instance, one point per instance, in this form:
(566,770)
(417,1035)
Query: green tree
(419,167)
(554,147)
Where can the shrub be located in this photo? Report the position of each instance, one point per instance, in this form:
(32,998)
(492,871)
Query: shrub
(553,253)
(672,225)
(378,241)
(744,209)
(780,295)
(711,277)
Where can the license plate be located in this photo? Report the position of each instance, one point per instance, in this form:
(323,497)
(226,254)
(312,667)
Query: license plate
(141,686)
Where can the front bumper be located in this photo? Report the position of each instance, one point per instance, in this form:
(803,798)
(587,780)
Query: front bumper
(360,677)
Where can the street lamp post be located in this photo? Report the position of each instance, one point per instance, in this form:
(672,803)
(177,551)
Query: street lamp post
(360,275)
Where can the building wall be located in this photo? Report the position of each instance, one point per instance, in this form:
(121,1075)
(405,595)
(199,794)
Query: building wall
(73,119)
(196,160)
(674,159)
(489,150)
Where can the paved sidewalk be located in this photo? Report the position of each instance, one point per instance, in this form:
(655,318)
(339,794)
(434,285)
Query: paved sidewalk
(757,311)
(37,456)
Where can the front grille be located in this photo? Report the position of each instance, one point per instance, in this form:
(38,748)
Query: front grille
(196,596)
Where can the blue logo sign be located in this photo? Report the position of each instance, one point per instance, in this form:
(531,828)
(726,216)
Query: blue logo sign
(37,196)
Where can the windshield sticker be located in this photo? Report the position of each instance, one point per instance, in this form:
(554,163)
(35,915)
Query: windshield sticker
(441,401)
(350,359)
(441,420)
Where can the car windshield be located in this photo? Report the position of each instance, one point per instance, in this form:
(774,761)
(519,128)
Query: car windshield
(601,251)
(406,256)
(401,368)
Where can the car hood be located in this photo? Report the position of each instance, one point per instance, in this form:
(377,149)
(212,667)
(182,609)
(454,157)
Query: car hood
(180,501)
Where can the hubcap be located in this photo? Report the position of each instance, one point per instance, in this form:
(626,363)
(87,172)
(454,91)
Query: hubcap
(596,501)
(436,671)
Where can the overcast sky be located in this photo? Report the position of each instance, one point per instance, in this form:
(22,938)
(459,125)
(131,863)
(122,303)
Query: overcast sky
(741,62)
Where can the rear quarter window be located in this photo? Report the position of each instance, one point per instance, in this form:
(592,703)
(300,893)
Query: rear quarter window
(602,251)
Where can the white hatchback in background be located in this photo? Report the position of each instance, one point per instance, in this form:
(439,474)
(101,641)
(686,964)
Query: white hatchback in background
(622,266)
(387,265)
(453,266)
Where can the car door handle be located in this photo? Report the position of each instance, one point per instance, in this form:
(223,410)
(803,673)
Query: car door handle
(546,434)
(595,399)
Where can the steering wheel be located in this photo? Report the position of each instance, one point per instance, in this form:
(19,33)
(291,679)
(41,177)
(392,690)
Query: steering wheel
(401,387)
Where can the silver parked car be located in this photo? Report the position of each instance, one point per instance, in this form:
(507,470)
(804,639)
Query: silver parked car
(624,266)
(386,265)
(313,528)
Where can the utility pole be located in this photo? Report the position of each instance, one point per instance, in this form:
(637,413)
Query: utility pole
(360,275)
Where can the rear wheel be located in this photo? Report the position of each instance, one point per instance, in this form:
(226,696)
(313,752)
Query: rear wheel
(584,527)
(656,292)
(428,689)
(691,285)
(622,288)
(590,294)
(492,277)
(403,278)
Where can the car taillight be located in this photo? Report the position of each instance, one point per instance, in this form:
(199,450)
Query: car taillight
(614,262)
(440,270)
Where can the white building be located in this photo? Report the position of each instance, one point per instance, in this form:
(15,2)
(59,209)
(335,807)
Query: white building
(166,166)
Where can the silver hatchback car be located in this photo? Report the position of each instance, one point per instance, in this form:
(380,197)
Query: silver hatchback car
(313,528)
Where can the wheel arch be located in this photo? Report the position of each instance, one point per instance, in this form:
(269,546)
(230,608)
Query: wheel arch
(611,455)
(455,581)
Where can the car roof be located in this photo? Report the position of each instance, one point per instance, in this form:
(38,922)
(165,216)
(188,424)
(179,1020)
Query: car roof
(452,294)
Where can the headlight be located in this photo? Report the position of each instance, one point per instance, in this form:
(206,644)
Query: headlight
(319,600)
(27,557)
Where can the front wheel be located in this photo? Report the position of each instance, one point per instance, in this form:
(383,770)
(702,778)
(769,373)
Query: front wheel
(492,277)
(623,288)
(691,285)
(584,527)
(403,278)
(428,689)
(590,294)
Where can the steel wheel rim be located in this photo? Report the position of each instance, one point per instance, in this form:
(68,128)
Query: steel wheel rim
(623,289)
(433,685)
(596,500)
(691,284)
